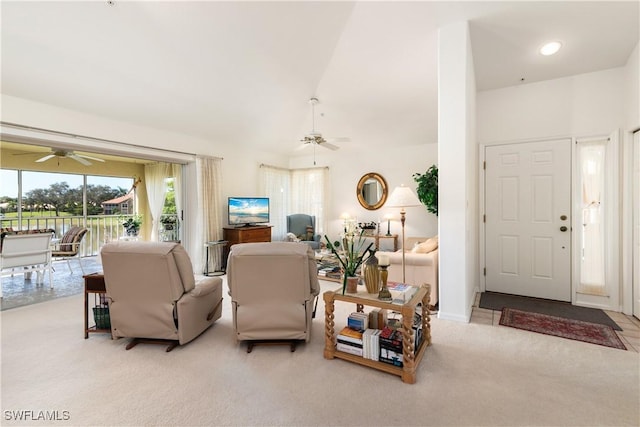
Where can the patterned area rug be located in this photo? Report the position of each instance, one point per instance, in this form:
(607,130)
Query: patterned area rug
(557,326)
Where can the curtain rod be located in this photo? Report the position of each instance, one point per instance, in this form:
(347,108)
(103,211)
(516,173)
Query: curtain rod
(204,156)
(88,138)
(287,169)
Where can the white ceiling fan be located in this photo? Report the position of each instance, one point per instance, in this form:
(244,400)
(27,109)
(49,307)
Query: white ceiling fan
(314,137)
(59,153)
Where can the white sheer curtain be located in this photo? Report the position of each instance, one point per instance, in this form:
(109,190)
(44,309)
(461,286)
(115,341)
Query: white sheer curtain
(275,183)
(309,187)
(592,163)
(294,191)
(155,175)
(209,175)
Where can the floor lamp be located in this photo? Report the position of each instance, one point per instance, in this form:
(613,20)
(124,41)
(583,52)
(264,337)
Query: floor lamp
(402,197)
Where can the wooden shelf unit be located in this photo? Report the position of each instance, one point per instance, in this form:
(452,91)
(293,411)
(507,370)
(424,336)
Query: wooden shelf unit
(411,359)
(93,284)
(233,235)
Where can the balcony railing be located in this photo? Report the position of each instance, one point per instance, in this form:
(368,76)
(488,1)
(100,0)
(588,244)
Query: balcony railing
(102,228)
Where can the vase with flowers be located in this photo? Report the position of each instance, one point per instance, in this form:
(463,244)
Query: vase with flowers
(353,254)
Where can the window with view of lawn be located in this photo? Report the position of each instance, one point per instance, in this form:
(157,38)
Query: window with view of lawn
(39,200)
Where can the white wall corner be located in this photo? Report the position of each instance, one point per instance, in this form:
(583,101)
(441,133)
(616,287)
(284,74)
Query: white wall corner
(456,131)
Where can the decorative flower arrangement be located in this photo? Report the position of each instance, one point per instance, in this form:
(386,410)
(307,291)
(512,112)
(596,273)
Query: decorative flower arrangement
(132,224)
(354,252)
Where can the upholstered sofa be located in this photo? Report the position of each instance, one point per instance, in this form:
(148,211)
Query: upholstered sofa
(420,266)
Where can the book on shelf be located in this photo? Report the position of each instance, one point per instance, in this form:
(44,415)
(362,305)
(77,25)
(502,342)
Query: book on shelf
(391,339)
(401,292)
(370,344)
(398,287)
(346,348)
(326,271)
(391,357)
(358,321)
(351,343)
(350,335)
(377,318)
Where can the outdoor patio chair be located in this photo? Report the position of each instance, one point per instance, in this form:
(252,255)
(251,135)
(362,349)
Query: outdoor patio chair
(69,247)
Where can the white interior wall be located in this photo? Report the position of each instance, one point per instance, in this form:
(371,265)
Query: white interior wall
(583,105)
(395,164)
(456,155)
(632,123)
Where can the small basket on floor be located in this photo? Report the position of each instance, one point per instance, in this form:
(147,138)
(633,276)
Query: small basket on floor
(101,317)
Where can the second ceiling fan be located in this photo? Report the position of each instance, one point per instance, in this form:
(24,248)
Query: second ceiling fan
(314,137)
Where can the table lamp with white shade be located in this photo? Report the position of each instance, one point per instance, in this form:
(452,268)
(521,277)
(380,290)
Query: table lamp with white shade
(402,197)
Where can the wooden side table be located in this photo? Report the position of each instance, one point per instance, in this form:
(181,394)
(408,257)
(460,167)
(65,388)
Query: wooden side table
(93,284)
(411,357)
(382,236)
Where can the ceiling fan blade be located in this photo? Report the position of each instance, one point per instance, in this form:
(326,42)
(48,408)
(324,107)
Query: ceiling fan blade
(78,159)
(28,153)
(302,146)
(339,139)
(45,158)
(329,146)
(89,157)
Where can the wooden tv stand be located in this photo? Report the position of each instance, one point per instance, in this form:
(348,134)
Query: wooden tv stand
(233,235)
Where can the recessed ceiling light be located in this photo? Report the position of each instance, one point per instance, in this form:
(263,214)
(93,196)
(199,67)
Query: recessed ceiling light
(550,48)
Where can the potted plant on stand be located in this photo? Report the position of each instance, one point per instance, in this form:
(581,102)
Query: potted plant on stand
(351,257)
(132,225)
(168,222)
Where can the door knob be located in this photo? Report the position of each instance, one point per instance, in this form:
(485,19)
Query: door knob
(563,228)
(563,217)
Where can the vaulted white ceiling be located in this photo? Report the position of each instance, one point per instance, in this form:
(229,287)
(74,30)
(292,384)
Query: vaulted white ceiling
(242,72)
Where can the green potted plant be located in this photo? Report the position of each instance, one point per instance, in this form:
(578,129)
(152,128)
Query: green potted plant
(169,222)
(428,188)
(352,255)
(132,224)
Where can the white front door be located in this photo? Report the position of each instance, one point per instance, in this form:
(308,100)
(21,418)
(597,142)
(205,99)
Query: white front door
(528,219)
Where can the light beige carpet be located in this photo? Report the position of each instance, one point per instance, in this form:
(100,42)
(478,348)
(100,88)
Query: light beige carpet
(472,375)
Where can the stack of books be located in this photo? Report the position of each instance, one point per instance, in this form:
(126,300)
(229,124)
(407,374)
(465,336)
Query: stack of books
(358,321)
(401,292)
(326,271)
(372,336)
(391,342)
(349,341)
(391,346)
(371,344)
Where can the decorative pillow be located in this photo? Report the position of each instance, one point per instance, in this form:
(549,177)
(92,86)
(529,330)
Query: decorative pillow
(292,237)
(427,246)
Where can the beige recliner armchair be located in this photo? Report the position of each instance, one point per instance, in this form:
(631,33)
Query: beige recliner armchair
(272,287)
(153,295)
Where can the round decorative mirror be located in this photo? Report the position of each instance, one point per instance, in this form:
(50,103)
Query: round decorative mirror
(372,191)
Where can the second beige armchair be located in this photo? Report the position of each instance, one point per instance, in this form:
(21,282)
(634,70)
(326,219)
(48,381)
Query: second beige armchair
(272,287)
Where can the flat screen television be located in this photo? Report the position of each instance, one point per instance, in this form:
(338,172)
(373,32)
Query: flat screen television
(246,211)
